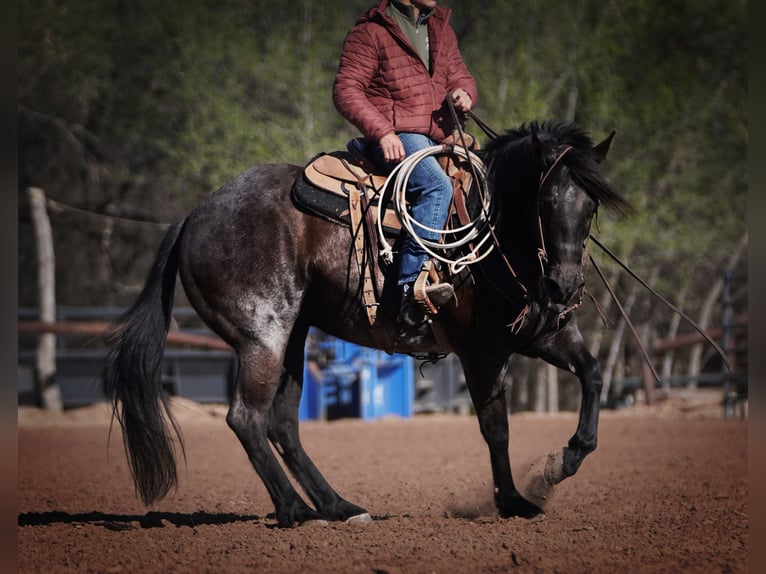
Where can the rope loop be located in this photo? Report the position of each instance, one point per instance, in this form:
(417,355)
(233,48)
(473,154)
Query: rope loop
(477,232)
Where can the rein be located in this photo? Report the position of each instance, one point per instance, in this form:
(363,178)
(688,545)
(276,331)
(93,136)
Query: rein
(516,324)
(543,256)
(667,303)
(542,253)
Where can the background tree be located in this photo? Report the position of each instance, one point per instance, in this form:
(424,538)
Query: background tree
(131,112)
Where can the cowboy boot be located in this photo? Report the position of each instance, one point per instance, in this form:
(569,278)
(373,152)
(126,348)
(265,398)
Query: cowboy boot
(410,312)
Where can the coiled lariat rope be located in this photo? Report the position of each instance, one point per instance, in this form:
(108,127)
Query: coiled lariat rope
(476,232)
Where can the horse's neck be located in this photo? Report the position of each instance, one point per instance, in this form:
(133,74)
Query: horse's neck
(521,246)
(508,282)
(512,280)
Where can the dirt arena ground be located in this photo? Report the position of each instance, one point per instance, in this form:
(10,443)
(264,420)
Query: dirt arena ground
(666,491)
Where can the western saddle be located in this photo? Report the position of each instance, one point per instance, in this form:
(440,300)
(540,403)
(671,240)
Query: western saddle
(346,186)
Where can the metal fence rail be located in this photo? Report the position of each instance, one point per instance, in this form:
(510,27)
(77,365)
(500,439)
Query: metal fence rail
(334,370)
(349,380)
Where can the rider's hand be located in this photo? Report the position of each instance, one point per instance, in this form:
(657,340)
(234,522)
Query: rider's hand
(461,100)
(392,148)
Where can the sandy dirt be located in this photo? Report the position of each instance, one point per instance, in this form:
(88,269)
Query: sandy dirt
(666,491)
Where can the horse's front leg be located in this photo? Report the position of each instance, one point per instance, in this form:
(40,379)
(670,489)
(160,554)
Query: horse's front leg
(584,440)
(486,383)
(567,350)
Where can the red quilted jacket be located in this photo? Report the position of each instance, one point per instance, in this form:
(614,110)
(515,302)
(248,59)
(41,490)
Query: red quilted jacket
(382,85)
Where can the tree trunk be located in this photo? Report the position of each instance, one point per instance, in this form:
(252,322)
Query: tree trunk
(48,391)
(616,345)
(669,356)
(552,376)
(540,387)
(604,304)
(706,313)
(648,383)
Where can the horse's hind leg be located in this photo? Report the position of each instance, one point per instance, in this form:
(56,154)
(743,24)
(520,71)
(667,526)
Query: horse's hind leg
(284,435)
(248,417)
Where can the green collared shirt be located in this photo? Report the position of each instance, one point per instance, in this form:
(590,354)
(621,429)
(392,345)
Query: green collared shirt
(416,30)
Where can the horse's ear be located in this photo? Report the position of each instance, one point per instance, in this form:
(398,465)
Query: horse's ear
(601,150)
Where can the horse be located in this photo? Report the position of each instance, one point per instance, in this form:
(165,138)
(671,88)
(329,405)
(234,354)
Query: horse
(260,272)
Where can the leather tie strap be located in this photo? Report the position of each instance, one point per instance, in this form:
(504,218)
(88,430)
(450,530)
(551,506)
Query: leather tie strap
(357,231)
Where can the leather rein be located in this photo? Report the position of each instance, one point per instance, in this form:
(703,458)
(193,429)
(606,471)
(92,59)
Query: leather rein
(542,254)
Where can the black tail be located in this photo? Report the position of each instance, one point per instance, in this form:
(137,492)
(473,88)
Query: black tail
(133,382)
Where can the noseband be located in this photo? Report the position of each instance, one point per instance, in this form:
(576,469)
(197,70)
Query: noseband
(542,253)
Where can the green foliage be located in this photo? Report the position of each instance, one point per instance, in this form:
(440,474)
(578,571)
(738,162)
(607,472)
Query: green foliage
(141,108)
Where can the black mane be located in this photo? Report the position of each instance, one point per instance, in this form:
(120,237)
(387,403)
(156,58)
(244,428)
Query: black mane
(514,160)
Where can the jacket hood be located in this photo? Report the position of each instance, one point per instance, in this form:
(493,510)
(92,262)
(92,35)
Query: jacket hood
(378,13)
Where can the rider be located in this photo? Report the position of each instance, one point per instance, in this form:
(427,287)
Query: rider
(398,64)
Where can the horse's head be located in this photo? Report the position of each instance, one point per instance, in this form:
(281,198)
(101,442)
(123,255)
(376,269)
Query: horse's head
(565,214)
(550,188)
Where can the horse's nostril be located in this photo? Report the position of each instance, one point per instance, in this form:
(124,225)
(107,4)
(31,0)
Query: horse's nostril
(562,293)
(555,292)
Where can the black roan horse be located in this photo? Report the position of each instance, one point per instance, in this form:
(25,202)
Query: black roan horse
(260,272)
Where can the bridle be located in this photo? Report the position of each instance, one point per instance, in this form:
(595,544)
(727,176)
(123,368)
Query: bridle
(542,253)
(543,256)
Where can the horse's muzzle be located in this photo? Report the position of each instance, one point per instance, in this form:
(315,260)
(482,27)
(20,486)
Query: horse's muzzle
(563,293)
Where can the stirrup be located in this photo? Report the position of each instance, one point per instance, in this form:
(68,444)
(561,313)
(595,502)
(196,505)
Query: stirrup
(430,297)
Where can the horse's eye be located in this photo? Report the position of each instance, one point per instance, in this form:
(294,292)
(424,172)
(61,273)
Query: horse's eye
(554,195)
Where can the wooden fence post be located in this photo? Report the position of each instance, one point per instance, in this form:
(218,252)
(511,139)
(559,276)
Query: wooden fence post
(553,389)
(48,391)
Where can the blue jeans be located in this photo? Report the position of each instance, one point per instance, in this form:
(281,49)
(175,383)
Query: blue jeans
(429,192)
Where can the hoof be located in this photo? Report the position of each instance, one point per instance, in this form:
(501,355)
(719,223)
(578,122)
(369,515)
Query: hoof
(539,491)
(306,516)
(363,519)
(314,523)
(522,508)
(554,468)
